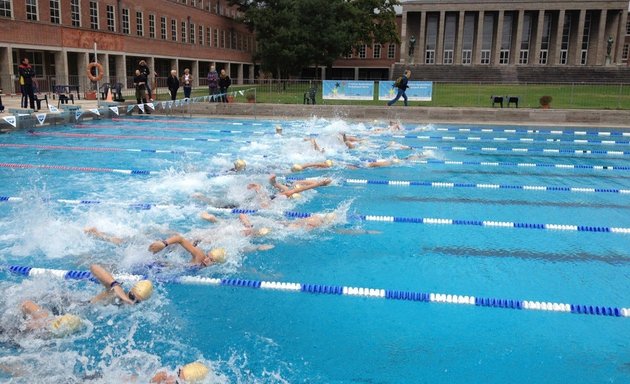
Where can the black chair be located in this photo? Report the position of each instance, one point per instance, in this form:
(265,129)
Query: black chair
(512,100)
(309,96)
(117,93)
(104,89)
(497,100)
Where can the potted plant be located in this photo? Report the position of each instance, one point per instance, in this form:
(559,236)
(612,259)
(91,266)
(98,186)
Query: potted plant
(545,102)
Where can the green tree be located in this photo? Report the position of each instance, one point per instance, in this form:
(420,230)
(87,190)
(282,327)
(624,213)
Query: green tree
(293,34)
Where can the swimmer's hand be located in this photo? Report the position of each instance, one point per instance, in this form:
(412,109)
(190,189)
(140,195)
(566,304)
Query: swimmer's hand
(156,246)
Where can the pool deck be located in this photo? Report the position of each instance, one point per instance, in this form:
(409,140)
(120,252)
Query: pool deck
(512,116)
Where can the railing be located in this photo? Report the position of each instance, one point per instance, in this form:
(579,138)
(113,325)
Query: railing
(576,95)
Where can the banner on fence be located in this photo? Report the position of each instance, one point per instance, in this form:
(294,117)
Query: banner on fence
(348,90)
(417,91)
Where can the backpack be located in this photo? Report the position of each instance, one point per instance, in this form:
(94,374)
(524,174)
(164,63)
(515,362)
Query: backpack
(397,82)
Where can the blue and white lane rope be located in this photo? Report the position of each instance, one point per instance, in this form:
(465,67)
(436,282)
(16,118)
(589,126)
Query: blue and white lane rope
(437,184)
(429,297)
(535,131)
(97,149)
(140,206)
(526,165)
(508,139)
(78,169)
(443,221)
(572,151)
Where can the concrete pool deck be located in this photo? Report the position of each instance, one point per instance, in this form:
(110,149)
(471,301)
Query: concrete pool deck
(510,116)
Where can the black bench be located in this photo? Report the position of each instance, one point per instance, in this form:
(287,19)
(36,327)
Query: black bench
(512,100)
(64,93)
(497,100)
(116,91)
(309,96)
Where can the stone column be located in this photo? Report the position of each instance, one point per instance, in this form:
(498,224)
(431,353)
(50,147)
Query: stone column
(6,70)
(517,37)
(403,39)
(323,77)
(478,45)
(151,64)
(239,72)
(195,72)
(356,73)
(597,46)
(459,38)
(121,70)
(498,40)
(621,20)
(61,67)
(575,46)
(420,41)
(537,37)
(439,47)
(556,39)
(83,60)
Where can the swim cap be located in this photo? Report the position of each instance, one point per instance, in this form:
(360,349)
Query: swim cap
(296,168)
(278,128)
(395,161)
(193,372)
(240,164)
(142,290)
(295,196)
(65,325)
(329,163)
(263,231)
(218,255)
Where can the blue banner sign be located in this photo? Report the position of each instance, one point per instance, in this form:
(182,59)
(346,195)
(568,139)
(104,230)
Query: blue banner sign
(348,90)
(417,91)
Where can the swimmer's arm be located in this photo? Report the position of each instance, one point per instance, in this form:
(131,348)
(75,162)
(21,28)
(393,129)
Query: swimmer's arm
(94,232)
(201,197)
(195,252)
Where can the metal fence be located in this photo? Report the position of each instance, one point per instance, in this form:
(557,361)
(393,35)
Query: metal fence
(576,95)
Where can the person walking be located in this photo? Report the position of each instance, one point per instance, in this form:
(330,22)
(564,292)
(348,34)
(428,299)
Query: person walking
(26,73)
(173,84)
(187,81)
(224,84)
(401,84)
(213,83)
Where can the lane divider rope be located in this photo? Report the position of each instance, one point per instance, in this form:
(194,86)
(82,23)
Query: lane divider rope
(338,290)
(572,151)
(508,139)
(141,206)
(535,131)
(153,128)
(437,184)
(98,149)
(139,137)
(445,221)
(78,169)
(526,165)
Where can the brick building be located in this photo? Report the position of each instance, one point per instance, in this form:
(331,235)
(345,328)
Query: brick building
(59,36)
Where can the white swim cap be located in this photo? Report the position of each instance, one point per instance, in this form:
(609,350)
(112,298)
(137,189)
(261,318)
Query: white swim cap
(193,372)
(278,128)
(142,290)
(329,163)
(218,255)
(64,325)
(263,231)
(240,164)
(296,168)
(295,196)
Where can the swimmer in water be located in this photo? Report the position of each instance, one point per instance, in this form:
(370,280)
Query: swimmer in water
(301,167)
(190,373)
(94,232)
(350,141)
(199,257)
(141,291)
(40,319)
(298,186)
(239,165)
(248,227)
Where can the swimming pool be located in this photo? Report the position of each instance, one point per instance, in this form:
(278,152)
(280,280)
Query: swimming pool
(447,233)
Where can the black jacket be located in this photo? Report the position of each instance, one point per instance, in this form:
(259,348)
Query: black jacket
(172,83)
(224,81)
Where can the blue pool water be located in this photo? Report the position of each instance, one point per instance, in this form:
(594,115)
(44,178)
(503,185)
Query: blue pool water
(269,336)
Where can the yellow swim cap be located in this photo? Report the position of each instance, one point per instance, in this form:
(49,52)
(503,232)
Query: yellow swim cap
(240,164)
(329,163)
(65,325)
(142,290)
(278,128)
(296,168)
(263,231)
(193,372)
(295,196)
(218,255)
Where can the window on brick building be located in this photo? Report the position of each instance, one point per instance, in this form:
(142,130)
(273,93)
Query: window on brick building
(5,8)
(628,27)
(75,13)
(163,28)
(192,33)
(200,35)
(223,41)
(94,15)
(376,51)
(216,38)
(139,24)
(209,36)
(362,51)
(55,12)
(125,21)
(111,18)
(183,32)
(173,30)
(31,9)
(624,53)
(391,51)
(152,26)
